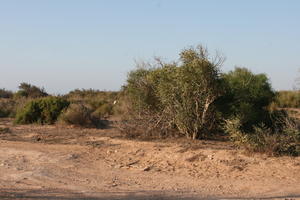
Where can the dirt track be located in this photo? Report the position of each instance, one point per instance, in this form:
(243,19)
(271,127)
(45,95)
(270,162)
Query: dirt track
(52,162)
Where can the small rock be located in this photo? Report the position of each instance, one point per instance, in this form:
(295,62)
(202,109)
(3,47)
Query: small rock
(146,169)
(72,156)
(118,166)
(211,157)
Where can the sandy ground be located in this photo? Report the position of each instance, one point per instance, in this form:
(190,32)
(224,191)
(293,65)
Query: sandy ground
(67,163)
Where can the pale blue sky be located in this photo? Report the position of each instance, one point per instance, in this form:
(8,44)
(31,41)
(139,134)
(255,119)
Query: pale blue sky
(67,44)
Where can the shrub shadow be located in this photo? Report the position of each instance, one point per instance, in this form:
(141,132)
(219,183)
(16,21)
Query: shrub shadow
(16,194)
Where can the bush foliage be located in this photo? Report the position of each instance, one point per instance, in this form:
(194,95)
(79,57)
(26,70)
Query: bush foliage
(194,97)
(5,93)
(190,97)
(101,103)
(77,114)
(43,110)
(247,97)
(30,91)
(283,141)
(178,94)
(287,99)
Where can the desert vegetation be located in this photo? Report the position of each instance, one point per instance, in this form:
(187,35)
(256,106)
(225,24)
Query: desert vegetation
(194,98)
(191,98)
(287,99)
(43,110)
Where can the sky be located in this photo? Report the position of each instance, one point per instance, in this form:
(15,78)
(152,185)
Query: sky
(62,45)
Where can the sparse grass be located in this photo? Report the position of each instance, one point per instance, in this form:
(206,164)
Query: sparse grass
(287,99)
(100,103)
(4,130)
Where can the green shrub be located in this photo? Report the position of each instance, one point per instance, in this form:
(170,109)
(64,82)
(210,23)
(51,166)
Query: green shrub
(180,95)
(44,110)
(141,91)
(247,97)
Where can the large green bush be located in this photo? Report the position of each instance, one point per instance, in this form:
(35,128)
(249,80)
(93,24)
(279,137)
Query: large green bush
(178,94)
(43,110)
(247,97)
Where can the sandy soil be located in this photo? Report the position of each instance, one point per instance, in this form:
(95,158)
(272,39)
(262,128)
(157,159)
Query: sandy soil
(54,162)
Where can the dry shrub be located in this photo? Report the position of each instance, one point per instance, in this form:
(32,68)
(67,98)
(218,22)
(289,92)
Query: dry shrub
(5,93)
(287,99)
(7,107)
(103,111)
(82,115)
(10,107)
(77,114)
(285,140)
(31,91)
(146,126)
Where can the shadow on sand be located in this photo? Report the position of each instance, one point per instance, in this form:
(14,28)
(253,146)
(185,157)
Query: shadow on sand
(16,194)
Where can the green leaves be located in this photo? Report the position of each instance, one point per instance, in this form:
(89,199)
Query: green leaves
(44,110)
(182,93)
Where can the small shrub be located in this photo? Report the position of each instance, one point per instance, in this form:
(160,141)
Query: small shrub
(233,128)
(284,141)
(77,114)
(7,107)
(99,102)
(287,99)
(32,91)
(6,93)
(44,110)
(103,111)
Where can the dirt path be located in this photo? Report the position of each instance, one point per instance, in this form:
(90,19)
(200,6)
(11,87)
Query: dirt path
(49,162)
